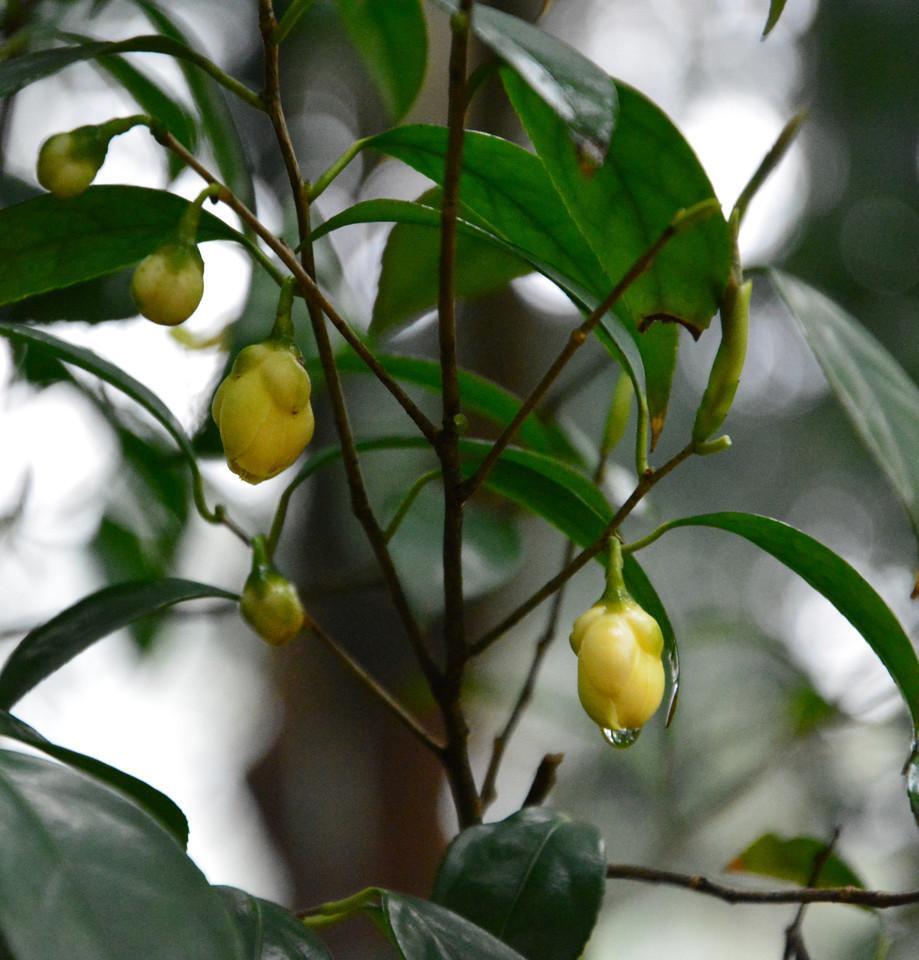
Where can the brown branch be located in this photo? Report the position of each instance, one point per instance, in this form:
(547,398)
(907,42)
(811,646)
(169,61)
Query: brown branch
(543,779)
(360,502)
(459,770)
(575,340)
(644,485)
(854,896)
(393,705)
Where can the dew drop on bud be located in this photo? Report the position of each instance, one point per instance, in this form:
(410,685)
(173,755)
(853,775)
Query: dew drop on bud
(621,739)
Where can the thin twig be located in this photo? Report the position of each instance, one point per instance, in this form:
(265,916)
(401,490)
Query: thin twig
(456,756)
(393,705)
(795,948)
(855,896)
(577,338)
(543,779)
(644,485)
(360,502)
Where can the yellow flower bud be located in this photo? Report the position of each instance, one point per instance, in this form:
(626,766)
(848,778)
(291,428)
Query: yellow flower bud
(167,286)
(619,647)
(263,410)
(270,604)
(69,162)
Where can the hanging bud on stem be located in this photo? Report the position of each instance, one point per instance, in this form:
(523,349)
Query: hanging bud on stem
(270,603)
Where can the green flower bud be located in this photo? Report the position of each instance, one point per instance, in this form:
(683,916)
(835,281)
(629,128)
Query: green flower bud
(263,410)
(270,603)
(167,286)
(69,162)
(619,647)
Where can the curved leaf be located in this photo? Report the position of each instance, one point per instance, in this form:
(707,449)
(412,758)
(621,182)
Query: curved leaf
(393,41)
(47,243)
(776,9)
(576,89)
(792,859)
(157,804)
(517,878)
(876,393)
(50,646)
(86,875)
(622,207)
(425,931)
(268,931)
(291,18)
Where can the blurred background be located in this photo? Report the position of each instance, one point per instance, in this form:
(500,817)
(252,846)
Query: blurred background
(298,787)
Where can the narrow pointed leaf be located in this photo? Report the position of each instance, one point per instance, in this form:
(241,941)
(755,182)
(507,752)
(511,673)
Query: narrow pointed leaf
(157,804)
(792,859)
(876,393)
(422,930)
(392,39)
(48,647)
(517,877)
(87,875)
(776,9)
(621,208)
(577,90)
(268,931)
(295,10)
(47,243)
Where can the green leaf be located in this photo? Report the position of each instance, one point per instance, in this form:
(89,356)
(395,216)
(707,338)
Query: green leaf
(216,118)
(517,878)
(48,647)
(157,804)
(392,39)
(776,9)
(291,18)
(847,590)
(876,393)
(86,875)
(793,859)
(268,931)
(91,362)
(47,243)
(425,931)
(577,90)
(623,206)
(92,301)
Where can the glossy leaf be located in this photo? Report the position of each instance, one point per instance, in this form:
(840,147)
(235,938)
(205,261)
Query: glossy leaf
(47,243)
(576,89)
(793,859)
(157,804)
(392,39)
(776,9)
(846,589)
(422,930)
(87,875)
(111,374)
(268,931)
(216,118)
(517,878)
(48,647)
(876,393)
(92,301)
(649,174)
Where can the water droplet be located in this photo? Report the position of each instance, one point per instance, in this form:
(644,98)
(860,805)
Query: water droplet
(621,739)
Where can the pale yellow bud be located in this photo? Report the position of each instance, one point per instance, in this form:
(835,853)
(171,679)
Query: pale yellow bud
(263,410)
(271,605)
(69,162)
(620,673)
(167,286)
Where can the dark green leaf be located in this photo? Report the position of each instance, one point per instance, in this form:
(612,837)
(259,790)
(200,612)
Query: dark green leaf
(48,647)
(846,589)
(776,8)
(623,206)
(92,301)
(393,42)
(268,931)
(425,931)
(291,18)
(518,878)
(157,804)
(89,361)
(216,118)
(579,92)
(876,393)
(86,875)
(47,243)
(793,859)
